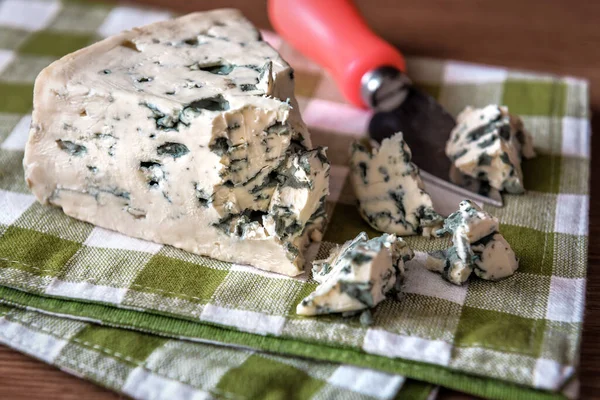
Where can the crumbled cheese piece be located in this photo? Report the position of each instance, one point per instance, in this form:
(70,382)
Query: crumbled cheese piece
(488,144)
(494,259)
(471,221)
(451,265)
(390,193)
(357,275)
(477,246)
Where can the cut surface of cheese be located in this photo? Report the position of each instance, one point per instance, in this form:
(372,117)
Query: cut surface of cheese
(357,276)
(184,132)
(494,258)
(471,221)
(390,193)
(477,247)
(488,144)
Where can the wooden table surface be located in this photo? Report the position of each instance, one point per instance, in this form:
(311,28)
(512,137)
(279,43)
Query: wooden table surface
(559,36)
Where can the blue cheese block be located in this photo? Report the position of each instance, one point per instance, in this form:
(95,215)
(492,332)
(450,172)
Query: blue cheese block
(390,193)
(357,275)
(184,132)
(477,247)
(488,144)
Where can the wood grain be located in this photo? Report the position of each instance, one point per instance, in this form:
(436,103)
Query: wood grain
(24,378)
(558,36)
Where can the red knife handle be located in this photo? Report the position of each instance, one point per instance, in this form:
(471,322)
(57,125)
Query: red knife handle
(333,34)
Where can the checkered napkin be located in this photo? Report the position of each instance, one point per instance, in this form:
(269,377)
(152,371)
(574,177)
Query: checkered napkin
(151,367)
(516,337)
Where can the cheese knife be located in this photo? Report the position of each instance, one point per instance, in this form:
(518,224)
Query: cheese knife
(371,73)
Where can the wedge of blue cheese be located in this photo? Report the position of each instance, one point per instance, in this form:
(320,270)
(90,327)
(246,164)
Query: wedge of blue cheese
(357,276)
(489,144)
(184,132)
(389,190)
(477,247)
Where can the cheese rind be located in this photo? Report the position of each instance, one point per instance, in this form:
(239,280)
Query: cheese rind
(477,247)
(184,132)
(357,275)
(488,144)
(390,193)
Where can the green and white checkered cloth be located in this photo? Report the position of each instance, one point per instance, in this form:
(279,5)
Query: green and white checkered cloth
(515,338)
(146,366)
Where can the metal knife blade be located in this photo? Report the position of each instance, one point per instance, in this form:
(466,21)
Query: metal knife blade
(369,72)
(425,124)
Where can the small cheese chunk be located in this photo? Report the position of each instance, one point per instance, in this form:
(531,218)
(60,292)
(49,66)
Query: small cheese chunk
(357,275)
(494,259)
(455,267)
(184,132)
(390,193)
(488,144)
(477,246)
(470,220)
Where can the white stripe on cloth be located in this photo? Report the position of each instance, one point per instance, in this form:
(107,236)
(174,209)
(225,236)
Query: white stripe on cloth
(12,205)
(576,134)
(388,344)
(19,135)
(107,239)
(93,363)
(573,80)
(496,364)
(572,214)
(566,299)
(550,375)
(21,279)
(6,57)
(248,321)
(30,15)
(365,381)
(36,344)
(421,281)
(202,366)
(67,316)
(145,385)
(461,72)
(122,18)
(86,290)
(531,76)
(336,117)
